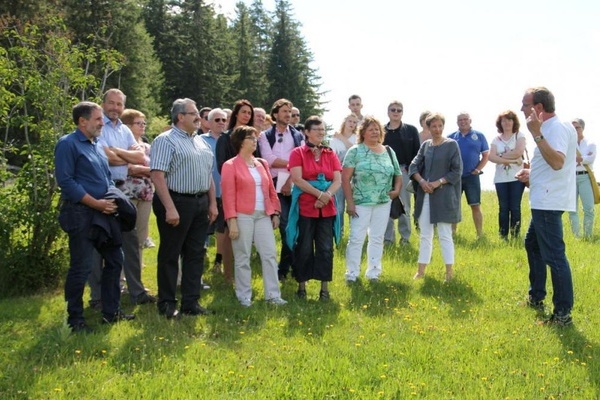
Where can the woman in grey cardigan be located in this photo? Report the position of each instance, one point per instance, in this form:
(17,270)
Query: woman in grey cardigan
(437,168)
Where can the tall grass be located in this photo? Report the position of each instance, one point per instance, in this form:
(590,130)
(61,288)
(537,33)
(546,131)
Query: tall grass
(397,338)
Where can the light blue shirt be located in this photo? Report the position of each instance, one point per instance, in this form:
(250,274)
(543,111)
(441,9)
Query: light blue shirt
(187,161)
(119,136)
(212,142)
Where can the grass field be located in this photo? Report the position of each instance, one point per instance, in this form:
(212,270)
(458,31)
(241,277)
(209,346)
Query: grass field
(472,338)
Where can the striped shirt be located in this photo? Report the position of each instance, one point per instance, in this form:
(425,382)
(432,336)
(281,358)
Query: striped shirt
(186,160)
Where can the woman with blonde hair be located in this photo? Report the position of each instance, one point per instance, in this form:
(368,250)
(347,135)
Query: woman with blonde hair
(342,140)
(371,179)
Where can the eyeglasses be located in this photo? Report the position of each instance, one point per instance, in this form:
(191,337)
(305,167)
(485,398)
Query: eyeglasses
(396,110)
(196,113)
(220,119)
(295,115)
(140,123)
(280,137)
(253,138)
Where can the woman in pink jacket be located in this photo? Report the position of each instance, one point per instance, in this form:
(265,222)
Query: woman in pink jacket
(252,210)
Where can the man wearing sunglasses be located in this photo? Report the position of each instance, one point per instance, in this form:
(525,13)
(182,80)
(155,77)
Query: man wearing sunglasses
(204,122)
(404,140)
(217,119)
(295,121)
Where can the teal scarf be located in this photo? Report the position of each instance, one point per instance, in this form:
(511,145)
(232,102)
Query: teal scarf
(291,230)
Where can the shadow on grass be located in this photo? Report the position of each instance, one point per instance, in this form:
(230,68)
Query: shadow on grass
(581,349)
(376,298)
(459,295)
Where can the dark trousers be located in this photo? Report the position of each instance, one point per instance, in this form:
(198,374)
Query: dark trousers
(509,201)
(286,256)
(545,247)
(185,240)
(132,268)
(313,254)
(75,219)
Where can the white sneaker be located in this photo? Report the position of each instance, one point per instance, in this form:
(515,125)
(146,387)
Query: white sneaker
(148,243)
(278,301)
(245,302)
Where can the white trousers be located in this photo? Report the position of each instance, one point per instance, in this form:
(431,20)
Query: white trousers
(258,228)
(427,229)
(371,220)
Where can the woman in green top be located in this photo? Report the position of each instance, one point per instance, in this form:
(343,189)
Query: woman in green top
(371,178)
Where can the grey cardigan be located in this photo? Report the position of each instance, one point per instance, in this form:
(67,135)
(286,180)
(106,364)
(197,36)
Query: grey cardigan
(434,163)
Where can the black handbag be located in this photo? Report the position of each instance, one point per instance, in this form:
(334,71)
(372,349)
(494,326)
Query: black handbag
(397,207)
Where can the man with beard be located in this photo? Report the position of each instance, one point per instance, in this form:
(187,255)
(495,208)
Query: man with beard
(84,178)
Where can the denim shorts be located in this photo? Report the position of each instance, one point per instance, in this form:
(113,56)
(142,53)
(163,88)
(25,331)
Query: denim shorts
(472,188)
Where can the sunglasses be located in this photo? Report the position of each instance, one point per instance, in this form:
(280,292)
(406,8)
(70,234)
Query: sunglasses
(220,119)
(396,110)
(280,137)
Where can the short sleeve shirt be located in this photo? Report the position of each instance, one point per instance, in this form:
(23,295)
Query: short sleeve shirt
(373,174)
(471,146)
(328,164)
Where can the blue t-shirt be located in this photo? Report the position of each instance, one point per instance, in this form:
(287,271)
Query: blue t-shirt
(471,146)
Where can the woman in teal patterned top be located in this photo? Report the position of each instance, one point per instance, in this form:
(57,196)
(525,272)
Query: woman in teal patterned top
(371,178)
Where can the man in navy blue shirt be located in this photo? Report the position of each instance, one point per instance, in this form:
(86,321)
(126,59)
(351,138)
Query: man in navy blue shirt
(84,178)
(474,151)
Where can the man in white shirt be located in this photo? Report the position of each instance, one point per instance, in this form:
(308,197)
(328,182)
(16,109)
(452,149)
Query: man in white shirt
(551,192)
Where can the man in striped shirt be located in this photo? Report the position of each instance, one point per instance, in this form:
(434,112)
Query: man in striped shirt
(184,205)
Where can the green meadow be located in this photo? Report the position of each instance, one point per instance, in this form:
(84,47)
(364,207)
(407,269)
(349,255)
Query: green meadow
(397,338)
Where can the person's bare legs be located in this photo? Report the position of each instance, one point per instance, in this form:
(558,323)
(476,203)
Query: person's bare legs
(477,219)
(421,271)
(449,272)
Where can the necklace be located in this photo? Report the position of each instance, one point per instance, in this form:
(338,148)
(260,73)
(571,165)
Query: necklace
(250,163)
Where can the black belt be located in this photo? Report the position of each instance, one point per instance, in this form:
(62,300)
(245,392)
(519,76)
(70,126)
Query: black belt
(580,172)
(194,195)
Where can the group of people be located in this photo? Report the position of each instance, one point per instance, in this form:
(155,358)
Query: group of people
(240,176)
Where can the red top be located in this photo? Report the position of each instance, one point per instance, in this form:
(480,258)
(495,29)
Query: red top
(239,188)
(329,163)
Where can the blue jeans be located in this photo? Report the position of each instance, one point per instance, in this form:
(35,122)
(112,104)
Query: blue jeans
(509,199)
(545,246)
(75,220)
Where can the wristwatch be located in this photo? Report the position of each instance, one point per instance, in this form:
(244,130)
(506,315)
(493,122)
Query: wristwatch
(538,139)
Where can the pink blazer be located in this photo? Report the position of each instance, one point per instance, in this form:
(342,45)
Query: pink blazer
(238,189)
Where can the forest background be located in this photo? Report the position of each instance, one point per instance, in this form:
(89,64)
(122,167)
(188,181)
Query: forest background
(55,53)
